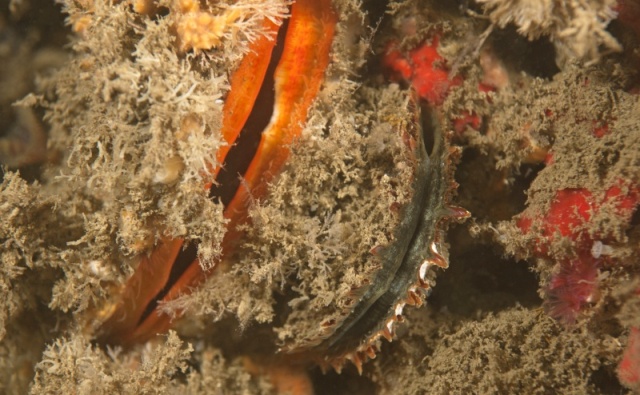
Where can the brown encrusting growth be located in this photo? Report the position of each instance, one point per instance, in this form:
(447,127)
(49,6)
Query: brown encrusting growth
(116,116)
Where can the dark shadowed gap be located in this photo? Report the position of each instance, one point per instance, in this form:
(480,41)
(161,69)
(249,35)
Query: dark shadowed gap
(235,164)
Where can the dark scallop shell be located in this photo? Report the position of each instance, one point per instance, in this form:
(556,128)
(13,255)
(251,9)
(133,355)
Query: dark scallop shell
(405,276)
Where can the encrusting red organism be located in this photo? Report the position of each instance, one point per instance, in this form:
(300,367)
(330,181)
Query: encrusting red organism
(427,72)
(576,282)
(571,209)
(424,68)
